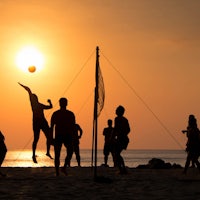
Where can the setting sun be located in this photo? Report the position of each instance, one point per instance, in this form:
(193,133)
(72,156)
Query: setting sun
(29,56)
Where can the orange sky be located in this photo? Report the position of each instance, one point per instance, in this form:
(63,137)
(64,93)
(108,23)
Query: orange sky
(154,44)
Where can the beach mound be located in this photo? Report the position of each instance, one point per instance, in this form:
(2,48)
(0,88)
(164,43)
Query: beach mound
(157,163)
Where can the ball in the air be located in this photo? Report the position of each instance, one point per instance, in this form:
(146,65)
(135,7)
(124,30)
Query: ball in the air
(32,68)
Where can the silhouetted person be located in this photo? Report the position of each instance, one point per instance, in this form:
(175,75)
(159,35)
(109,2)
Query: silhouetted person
(3,151)
(121,129)
(193,143)
(39,121)
(78,132)
(64,122)
(109,142)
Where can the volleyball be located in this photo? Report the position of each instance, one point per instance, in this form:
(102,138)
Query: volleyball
(32,68)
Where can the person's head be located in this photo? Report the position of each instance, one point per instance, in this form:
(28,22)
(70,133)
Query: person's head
(192,120)
(63,102)
(34,98)
(120,111)
(191,117)
(110,122)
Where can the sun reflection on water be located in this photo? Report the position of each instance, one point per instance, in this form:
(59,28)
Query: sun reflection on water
(24,159)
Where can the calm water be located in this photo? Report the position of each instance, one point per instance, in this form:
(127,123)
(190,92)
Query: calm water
(133,158)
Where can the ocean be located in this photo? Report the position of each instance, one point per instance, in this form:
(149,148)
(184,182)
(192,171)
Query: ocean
(132,158)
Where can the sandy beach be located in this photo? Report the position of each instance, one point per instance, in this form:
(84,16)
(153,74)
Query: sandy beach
(41,183)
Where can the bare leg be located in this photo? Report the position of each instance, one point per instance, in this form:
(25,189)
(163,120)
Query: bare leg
(69,149)
(106,160)
(77,153)
(187,163)
(57,149)
(48,149)
(120,161)
(34,145)
(47,133)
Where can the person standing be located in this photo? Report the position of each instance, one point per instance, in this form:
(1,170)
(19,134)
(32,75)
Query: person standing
(3,151)
(193,143)
(39,121)
(63,121)
(121,131)
(109,141)
(78,132)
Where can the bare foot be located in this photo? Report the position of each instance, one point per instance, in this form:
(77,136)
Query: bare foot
(49,155)
(34,159)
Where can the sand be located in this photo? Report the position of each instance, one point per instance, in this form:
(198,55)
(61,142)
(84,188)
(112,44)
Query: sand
(41,183)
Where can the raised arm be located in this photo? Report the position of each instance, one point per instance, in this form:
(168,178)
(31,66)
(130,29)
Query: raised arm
(50,104)
(26,88)
(47,106)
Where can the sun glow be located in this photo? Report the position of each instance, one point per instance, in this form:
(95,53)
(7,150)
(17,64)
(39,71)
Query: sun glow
(29,56)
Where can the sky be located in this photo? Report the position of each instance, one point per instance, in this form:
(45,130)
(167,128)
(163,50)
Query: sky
(149,58)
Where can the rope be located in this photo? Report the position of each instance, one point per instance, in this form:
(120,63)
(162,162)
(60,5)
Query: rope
(127,83)
(75,77)
(144,103)
(72,81)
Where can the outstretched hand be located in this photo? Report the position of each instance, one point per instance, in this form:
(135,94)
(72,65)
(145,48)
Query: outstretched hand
(25,87)
(20,83)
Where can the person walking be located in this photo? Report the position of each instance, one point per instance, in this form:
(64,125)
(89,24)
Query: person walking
(193,143)
(76,136)
(121,131)
(63,121)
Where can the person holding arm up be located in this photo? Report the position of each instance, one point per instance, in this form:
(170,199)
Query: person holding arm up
(39,121)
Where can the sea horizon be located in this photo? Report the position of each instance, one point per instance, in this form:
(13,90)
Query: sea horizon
(132,157)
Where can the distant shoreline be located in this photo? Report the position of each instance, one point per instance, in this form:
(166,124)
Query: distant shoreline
(133,158)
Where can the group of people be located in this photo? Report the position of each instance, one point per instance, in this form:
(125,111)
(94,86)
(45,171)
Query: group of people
(62,130)
(116,139)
